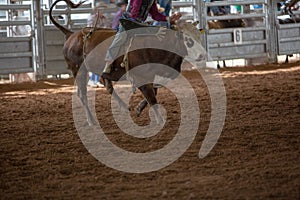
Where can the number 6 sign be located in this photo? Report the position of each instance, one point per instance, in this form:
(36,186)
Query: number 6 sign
(237,36)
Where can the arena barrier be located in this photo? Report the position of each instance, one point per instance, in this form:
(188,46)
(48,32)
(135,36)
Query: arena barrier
(288,32)
(262,37)
(41,50)
(248,41)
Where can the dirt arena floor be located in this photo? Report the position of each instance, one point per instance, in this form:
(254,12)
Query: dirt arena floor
(256,157)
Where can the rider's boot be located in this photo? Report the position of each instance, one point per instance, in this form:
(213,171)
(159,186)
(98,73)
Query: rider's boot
(107,70)
(107,67)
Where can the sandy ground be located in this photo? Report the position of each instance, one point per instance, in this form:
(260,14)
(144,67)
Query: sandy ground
(256,157)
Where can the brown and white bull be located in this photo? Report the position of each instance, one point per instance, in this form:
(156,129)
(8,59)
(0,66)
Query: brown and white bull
(80,44)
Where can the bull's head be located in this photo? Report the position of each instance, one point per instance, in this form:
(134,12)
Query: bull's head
(192,41)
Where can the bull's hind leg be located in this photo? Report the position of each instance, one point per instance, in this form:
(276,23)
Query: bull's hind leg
(142,105)
(149,93)
(81,81)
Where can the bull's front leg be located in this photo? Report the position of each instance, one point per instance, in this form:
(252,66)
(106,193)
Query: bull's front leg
(142,105)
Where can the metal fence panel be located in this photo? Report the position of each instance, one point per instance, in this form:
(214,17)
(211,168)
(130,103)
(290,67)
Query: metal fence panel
(16,51)
(53,44)
(289,39)
(288,35)
(239,42)
(222,44)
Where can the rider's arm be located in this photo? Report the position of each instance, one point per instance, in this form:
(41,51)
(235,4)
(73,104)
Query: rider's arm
(155,14)
(135,8)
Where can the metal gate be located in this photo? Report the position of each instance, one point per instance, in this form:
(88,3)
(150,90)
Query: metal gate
(241,42)
(288,35)
(16,40)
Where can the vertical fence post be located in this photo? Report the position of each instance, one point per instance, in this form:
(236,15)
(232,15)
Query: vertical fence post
(272,39)
(39,50)
(201,17)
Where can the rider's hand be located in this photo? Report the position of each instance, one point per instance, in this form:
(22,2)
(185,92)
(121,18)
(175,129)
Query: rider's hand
(175,17)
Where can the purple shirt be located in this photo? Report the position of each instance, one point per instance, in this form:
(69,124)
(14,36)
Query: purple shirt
(115,22)
(155,14)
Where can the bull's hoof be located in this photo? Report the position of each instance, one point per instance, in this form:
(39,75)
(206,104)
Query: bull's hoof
(159,120)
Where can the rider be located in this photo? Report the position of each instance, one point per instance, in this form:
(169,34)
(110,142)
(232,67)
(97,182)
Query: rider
(137,10)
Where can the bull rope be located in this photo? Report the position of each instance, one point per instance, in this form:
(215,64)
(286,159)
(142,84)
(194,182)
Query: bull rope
(125,62)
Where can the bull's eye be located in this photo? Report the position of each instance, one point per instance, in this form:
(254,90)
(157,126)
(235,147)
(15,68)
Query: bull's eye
(189,42)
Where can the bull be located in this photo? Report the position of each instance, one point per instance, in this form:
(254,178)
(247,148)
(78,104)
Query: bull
(80,44)
(232,23)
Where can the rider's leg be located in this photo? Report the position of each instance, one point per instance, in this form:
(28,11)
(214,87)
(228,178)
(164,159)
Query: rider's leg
(113,50)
